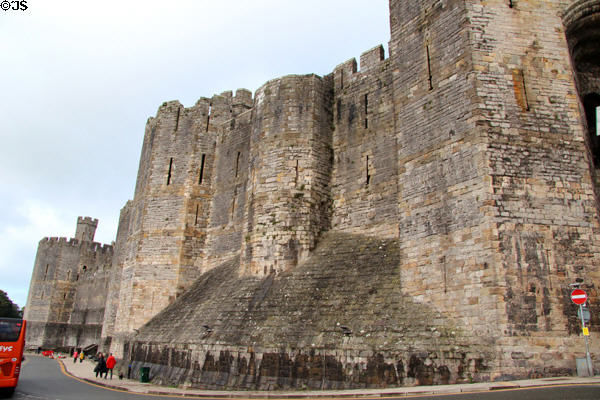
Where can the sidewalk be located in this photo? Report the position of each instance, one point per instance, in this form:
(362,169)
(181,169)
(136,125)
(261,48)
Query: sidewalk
(85,372)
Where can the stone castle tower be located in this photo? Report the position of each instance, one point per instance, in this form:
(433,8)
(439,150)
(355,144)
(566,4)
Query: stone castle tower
(65,306)
(416,220)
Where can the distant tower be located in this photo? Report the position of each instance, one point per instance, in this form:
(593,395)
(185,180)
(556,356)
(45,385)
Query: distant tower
(86,229)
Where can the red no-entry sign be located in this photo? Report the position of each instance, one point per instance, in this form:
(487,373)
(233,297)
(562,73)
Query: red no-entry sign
(578,296)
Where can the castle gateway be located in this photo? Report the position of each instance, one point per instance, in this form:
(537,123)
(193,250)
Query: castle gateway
(414,220)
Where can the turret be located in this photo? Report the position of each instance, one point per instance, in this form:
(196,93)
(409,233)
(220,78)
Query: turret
(289,196)
(86,229)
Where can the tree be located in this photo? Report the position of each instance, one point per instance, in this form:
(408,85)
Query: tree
(8,309)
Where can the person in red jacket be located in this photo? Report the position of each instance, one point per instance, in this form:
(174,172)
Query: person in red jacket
(110,364)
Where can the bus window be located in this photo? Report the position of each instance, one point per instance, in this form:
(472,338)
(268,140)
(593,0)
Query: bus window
(10,330)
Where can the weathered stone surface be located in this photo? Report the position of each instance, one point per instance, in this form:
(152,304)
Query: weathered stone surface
(67,295)
(340,319)
(250,254)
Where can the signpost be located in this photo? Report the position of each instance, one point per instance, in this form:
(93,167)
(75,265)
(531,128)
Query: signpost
(579,297)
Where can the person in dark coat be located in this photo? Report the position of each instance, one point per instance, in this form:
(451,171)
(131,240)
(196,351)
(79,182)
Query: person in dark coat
(100,368)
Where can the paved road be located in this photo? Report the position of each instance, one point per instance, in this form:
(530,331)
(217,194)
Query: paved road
(546,393)
(43,379)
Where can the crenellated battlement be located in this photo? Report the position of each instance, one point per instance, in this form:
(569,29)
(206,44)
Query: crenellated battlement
(371,58)
(102,247)
(87,220)
(59,240)
(347,72)
(94,246)
(205,113)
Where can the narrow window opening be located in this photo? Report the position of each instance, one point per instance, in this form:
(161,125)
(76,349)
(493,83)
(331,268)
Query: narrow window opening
(296,178)
(170,170)
(429,68)
(196,219)
(510,3)
(237,164)
(368,172)
(208,116)
(233,206)
(342,79)
(64,296)
(68,275)
(202,169)
(46,273)
(520,89)
(598,121)
(339,110)
(77,277)
(525,91)
(84,268)
(366,110)
(177,120)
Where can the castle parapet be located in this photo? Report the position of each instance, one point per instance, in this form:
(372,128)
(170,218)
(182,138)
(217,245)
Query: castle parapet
(101,248)
(55,240)
(371,58)
(242,101)
(342,74)
(345,73)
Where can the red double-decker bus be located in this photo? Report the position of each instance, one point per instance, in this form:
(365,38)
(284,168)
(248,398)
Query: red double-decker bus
(12,343)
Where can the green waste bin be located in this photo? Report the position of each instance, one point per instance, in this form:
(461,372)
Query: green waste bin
(145,374)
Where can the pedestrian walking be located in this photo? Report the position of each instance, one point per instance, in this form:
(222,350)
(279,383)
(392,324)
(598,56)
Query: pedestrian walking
(81,356)
(100,368)
(75,354)
(110,364)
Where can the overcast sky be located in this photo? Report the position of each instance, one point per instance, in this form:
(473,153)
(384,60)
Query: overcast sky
(78,80)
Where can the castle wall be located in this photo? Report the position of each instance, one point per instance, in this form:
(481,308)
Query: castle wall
(50,298)
(290,170)
(416,221)
(337,320)
(121,254)
(448,260)
(543,203)
(160,229)
(166,246)
(230,183)
(67,290)
(87,314)
(496,201)
(365,167)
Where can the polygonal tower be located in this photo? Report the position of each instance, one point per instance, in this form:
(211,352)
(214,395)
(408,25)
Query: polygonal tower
(497,207)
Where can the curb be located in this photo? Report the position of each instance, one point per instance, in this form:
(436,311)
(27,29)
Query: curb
(438,390)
